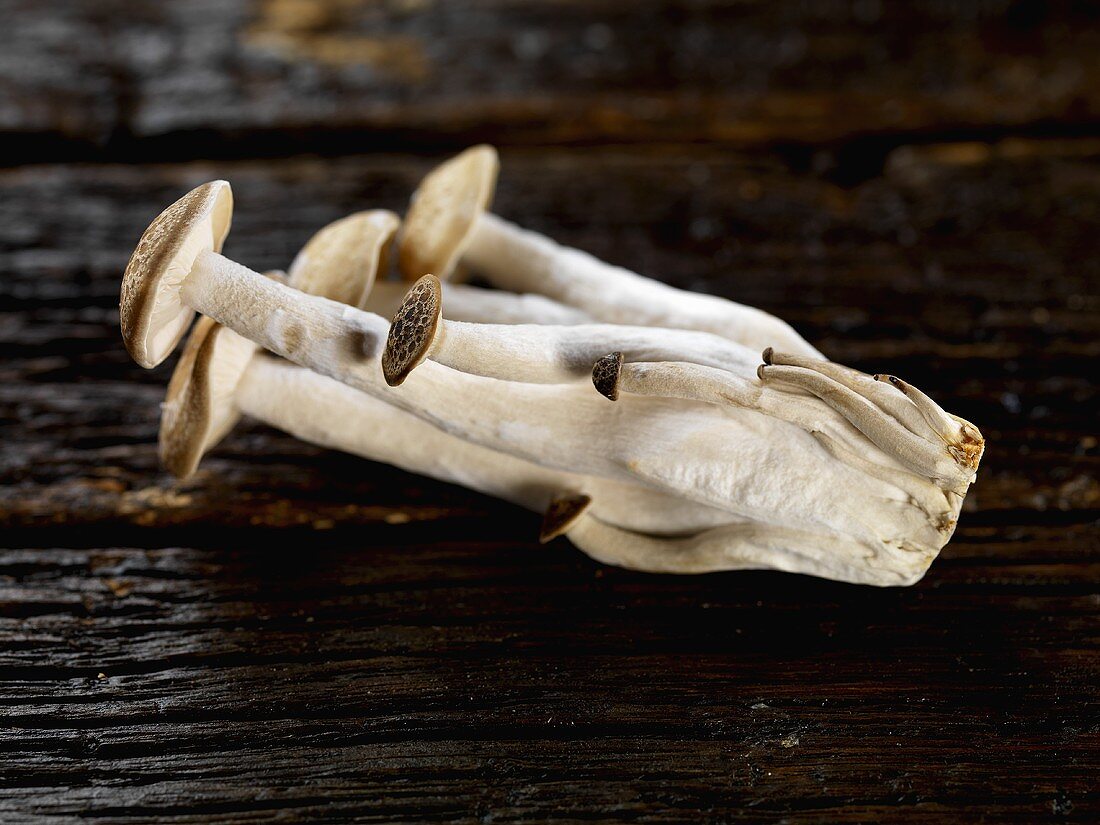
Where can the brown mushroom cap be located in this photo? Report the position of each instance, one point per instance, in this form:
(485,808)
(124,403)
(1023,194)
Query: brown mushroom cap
(444,210)
(342,260)
(414,329)
(153,317)
(561,514)
(199,409)
(606,374)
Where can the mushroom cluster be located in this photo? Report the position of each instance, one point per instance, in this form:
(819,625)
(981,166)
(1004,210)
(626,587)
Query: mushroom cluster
(640,419)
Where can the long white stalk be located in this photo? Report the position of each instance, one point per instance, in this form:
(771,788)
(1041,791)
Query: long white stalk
(523,261)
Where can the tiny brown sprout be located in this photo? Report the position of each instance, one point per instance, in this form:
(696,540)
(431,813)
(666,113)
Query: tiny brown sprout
(561,514)
(413,331)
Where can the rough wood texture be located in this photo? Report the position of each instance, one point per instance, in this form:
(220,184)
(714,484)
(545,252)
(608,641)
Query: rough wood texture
(296,635)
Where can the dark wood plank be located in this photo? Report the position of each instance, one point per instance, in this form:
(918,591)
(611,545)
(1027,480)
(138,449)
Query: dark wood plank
(255,683)
(239,77)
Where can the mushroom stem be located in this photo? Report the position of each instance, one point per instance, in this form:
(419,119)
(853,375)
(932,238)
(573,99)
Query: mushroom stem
(462,302)
(325,412)
(739,546)
(537,353)
(523,261)
(329,337)
(754,466)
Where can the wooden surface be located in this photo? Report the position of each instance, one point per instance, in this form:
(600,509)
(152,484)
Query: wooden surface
(297,635)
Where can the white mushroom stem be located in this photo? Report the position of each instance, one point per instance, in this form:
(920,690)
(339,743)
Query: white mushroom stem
(749,546)
(558,354)
(538,353)
(462,302)
(327,413)
(523,261)
(333,338)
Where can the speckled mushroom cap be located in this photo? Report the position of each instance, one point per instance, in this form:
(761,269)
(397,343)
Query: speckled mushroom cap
(606,374)
(561,514)
(199,408)
(414,330)
(342,260)
(152,315)
(444,210)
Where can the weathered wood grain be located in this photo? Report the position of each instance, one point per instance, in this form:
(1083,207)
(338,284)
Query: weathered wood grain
(248,77)
(390,683)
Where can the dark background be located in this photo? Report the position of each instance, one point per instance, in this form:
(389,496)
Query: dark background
(296,634)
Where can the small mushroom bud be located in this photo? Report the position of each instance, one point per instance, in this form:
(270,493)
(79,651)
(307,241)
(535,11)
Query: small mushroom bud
(447,221)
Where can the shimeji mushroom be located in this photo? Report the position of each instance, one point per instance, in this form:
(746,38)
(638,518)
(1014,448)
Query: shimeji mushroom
(542,354)
(447,221)
(947,453)
(738,546)
(755,466)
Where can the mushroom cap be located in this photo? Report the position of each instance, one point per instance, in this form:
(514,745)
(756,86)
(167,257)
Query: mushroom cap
(342,259)
(152,316)
(561,514)
(606,374)
(443,212)
(414,329)
(199,409)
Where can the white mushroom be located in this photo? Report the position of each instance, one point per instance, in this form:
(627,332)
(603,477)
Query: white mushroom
(176,270)
(541,354)
(447,220)
(340,261)
(739,546)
